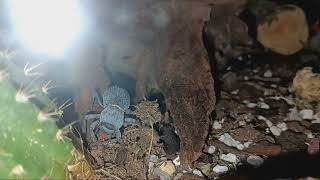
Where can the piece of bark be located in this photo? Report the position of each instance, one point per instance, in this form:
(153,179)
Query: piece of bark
(186,80)
(264,148)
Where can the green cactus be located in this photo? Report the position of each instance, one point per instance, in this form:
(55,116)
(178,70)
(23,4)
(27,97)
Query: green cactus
(29,148)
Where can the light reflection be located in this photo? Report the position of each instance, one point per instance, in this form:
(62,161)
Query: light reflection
(46,26)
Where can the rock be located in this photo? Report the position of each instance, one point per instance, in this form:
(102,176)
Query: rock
(275,130)
(228,140)
(306,114)
(205,169)
(211,149)
(217,125)
(231,158)
(153,158)
(220,169)
(263,105)
(293,115)
(230,81)
(284,30)
(197,172)
(282,126)
(176,161)
(255,161)
(166,170)
(316,117)
(268,74)
(245,134)
(306,84)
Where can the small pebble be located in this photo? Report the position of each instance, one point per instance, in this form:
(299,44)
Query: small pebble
(247,144)
(197,172)
(282,126)
(242,123)
(255,71)
(267,130)
(231,158)
(273,86)
(211,149)
(153,158)
(205,169)
(269,123)
(246,78)
(310,135)
(240,58)
(229,141)
(306,114)
(262,118)
(251,105)
(168,167)
(293,115)
(255,161)
(176,161)
(217,125)
(220,169)
(267,74)
(316,117)
(275,130)
(235,92)
(263,105)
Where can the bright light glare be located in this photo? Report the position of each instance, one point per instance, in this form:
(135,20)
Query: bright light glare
(46,26)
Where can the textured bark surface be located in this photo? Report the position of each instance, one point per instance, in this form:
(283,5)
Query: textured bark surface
(186,80)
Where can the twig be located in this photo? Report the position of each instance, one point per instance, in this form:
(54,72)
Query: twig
(110,175)
(151,141)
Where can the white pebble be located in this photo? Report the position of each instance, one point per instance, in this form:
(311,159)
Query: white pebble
(275,130)
(242,123)
(269,123)
(316,117)
(310,135)
(282,126)
(246,78)
(262,118)
(240,58)
(306,114)
(176,161)
(231,158)
(268,74)
(229,141)
(255,161)
(217,125)
(293,115)
(153,158)
(267,130)
(220,169)
(197,172)
(251,105)
(211,149)
(235,92)
(247,144)
(263,105)
(273,86)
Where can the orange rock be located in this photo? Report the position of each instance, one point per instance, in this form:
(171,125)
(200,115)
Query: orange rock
(285,30)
